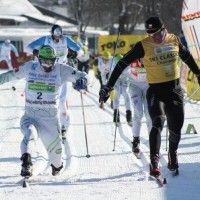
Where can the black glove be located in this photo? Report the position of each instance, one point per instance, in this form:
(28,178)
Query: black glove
(81,84)
(35,52)
(71,54)
(104,93)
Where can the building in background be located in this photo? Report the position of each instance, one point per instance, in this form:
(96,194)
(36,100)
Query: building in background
(21,22)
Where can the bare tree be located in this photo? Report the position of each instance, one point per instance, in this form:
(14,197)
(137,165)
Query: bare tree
(170,13)
(83,11)
(122,15)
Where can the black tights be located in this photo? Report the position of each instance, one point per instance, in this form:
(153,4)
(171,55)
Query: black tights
(165,99)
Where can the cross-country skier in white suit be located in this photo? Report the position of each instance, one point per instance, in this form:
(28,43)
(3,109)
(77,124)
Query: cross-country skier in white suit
(43,83)
(138,88)
(64,46)
(121,88)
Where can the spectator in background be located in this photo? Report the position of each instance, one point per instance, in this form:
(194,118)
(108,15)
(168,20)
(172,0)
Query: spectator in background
(5,53)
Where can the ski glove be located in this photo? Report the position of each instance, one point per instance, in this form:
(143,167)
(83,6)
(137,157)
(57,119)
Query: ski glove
(35,52)
(80,84)
(71,54)
(104,93)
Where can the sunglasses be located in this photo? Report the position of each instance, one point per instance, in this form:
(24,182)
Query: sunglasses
(155,33)
(47,62)
(57,32)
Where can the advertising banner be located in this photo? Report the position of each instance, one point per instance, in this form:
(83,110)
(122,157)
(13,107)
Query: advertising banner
(191,30)
(124,44)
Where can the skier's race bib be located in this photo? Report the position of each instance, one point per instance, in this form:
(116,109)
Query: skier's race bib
(42,88)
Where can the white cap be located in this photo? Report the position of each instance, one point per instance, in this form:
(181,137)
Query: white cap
(57,32)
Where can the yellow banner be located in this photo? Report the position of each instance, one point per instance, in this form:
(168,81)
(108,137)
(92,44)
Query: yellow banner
(192,85)
(124,44)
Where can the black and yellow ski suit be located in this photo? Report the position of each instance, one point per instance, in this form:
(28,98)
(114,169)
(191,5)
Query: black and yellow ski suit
(164,95)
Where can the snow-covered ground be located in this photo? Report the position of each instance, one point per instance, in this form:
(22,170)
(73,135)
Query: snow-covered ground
(107,174)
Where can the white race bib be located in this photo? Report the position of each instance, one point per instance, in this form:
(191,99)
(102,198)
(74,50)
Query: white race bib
(42,88)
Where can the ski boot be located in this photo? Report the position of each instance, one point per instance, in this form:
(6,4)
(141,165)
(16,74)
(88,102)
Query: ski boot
(173,162)
(116,117)
(55,170)
(27,166)
(136,144)
(154,168)
(129,117)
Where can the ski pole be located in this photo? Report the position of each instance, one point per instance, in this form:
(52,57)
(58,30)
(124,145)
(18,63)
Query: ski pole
(115,135)
(85,131)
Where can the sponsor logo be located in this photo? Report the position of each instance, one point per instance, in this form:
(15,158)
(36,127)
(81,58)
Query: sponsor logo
(191,16)
(40,102)
(40,86)
(164,49)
